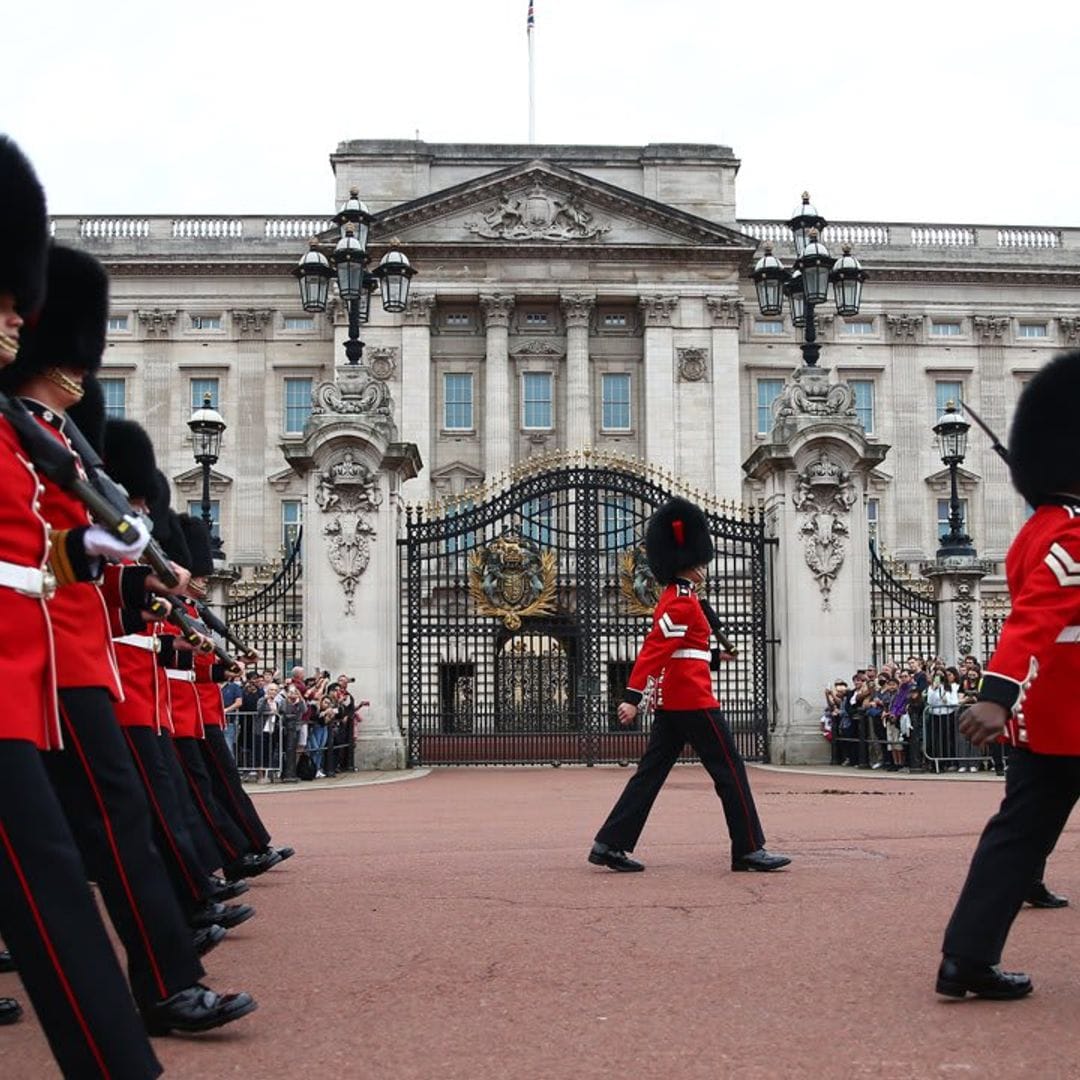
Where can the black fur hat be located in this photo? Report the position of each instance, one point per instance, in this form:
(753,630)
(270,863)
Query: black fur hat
(70,330)
(24,230)
(198,541)
(88,414)
(159,500)
(676,540)
(170,535)
(1044,440)
(129,458)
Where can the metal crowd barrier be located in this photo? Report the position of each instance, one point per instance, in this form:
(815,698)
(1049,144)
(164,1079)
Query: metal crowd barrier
(260,754)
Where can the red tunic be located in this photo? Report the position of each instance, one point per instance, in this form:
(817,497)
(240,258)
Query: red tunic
(209,690)
(27,667)
(80,622)
(145,701)
(679,626)
(184,707)
(1035,667)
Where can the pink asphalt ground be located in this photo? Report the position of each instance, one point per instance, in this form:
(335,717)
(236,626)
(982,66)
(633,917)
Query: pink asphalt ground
(449,927)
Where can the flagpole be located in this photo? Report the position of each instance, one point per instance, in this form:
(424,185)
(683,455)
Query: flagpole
(532,80)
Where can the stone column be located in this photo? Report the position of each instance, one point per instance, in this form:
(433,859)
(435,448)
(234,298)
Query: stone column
(659,387)
(498,411)
(909,401)
(577,310)
(166,418)
(255,397)
(992,403)
(355,467)
(418,422)
(957,581)
(726,312)
(814,470)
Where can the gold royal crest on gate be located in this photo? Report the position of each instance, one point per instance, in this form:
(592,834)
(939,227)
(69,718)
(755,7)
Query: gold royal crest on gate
(511,578)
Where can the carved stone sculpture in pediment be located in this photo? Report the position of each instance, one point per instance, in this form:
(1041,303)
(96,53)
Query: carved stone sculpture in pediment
(824,495)
(347,486)
(537,347)
(538,215)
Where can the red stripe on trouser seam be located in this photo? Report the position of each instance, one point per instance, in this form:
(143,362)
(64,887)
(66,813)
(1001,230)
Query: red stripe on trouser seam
(47,941)
(161,819)
(738,785)
(121,873)
(204,809)
(241,814)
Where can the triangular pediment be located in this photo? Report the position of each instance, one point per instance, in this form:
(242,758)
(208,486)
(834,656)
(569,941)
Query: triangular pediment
(457,469)
(192,478)
(538,204)
(940,482)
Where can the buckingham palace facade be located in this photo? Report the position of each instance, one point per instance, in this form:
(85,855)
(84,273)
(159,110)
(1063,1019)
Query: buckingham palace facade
(570,297)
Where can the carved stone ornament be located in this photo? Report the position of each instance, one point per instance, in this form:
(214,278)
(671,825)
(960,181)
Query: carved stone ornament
(639,588)
(497,309)
(904,327)
(693,364)
(418,308)
(726,311)
(991,328)
(577,309)
(382,362)
(511,579)
(658,309)
(824,495)
(252,320)
(355,393)
(537,347)
(538,215)
(809,393)
(346,489)
(965,619)
(1070,328)
(157,323)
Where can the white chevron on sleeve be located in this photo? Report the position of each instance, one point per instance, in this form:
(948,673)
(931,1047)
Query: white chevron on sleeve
(672,629)
(1065,568)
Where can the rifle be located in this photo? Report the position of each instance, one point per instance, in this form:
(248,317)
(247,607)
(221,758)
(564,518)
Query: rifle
(995,442)
(220,627)
(714,625)
(192,631)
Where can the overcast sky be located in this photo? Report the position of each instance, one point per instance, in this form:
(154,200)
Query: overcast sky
(945,111)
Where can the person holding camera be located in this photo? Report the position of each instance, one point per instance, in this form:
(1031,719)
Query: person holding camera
(292,717)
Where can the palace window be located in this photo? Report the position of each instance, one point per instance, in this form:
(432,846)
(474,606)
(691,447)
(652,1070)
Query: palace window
(205,322)
(458,401)
(943,517)
(864,402)
(945,391)
(873,506)
(536,318)
(115,393)
(857,327)
(537,516)
(457,319)
(299,322)
(768,390)
(768,326)
(614,320)
(945,328)
(1032,330)
(199,389)
(194,508)
(615,401)
(117,322)
(297,405)
(537,410)
(616,522)
(292,517)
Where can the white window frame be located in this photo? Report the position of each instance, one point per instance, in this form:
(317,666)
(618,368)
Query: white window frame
(286,407)
(122,324)
(1040,326)
(943,517)
(769,327)
(759,383)
(195,510)
(526,376)
(629,403)
(288,505)
(197,400)
(858,327)
(308,322)
(198,327)
(106,382)
(873,521)
(467,375)
(868,428)
(942,399)
(946,328)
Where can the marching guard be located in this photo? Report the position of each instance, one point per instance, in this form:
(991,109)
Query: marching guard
(674,664)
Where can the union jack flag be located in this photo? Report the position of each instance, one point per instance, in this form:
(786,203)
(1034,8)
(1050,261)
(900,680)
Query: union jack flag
(531,22)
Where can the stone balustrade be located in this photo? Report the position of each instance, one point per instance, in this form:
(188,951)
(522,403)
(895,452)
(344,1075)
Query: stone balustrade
(865,234)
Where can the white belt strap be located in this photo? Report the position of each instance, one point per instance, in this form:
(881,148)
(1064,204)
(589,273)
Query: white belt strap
(139,641)
(692,654)
(28,580)
(1070,634)
(180,676)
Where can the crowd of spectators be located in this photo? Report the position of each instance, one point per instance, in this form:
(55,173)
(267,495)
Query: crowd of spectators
(906,716)
(298,727)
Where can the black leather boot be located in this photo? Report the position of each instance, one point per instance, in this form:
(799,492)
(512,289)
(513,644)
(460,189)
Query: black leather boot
(958,977)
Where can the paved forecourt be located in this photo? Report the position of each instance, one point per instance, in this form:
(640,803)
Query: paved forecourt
(449,927)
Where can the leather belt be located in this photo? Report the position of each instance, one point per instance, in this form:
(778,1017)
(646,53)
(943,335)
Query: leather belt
(180,676)
(28,580)
(1069,634)
(692,654)
(139,641)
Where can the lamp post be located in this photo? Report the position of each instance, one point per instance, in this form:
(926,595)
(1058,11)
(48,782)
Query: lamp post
(806,285)
(206,427)
(347,261)
(952,432)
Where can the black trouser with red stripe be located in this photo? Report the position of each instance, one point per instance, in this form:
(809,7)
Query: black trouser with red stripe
(226,834)
(209,855)
(230,791)
(171,835)
(50,922)
(708,733)
(108,813)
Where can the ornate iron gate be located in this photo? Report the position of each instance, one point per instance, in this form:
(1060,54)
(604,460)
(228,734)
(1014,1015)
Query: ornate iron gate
(522,611)
(271,619)
(903,621)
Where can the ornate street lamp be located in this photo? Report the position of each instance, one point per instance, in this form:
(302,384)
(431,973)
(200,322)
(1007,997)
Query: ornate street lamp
(346,262)
(952,432)
(807,284)
(206,427)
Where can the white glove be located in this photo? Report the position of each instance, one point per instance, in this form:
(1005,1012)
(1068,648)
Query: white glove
(99,542)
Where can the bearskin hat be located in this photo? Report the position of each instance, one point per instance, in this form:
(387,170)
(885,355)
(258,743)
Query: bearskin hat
(676,540)
(170,535)
(129,458)
(24,230)
(159,501)
(1044,440)
(88,414)
(70,330)
(198,541)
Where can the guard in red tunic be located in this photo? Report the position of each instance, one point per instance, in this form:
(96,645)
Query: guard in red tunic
(1028,690)
(48,915)
(673,667)
(93,774)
